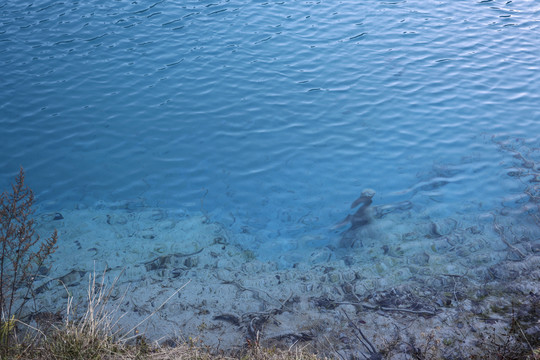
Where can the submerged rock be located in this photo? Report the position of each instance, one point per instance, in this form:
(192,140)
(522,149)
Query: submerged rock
(72,277)
(383,210)
(421,259)
(116,219)
(320,256)
(361,217)
(191,262)
(158,263)
(441,245)
(442,227)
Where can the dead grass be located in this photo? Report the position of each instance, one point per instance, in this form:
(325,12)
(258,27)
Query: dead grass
(96,335)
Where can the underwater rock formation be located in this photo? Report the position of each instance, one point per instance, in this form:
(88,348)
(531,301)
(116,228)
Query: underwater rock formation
(360,218)
(365,215)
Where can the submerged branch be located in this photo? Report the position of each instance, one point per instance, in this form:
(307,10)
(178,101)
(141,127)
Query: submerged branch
(500,230)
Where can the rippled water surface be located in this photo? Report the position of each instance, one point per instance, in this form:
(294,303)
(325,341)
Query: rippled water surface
(270,116)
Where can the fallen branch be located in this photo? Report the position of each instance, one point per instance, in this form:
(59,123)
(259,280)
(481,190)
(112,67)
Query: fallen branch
(255,291)
(376,307)
(373,354)
(499,230)
(256,320)
(230,318)
(301,336)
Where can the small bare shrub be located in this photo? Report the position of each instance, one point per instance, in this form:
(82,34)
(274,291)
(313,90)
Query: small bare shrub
(22,254)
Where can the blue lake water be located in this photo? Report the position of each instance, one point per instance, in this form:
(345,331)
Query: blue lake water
(271,116)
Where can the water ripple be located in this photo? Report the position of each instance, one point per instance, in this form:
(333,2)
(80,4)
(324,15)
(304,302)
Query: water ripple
(124,100)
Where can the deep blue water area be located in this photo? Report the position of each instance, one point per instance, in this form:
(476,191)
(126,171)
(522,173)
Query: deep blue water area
(272,115)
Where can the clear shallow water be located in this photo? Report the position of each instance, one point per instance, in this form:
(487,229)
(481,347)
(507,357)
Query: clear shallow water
(275,114)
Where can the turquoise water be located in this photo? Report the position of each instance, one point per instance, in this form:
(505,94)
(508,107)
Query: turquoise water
(269,116)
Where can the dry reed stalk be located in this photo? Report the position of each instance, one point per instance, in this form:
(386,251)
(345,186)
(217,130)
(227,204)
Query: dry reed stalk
(99,318)
(123,338)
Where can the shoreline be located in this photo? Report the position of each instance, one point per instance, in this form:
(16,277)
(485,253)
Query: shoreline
(444,298)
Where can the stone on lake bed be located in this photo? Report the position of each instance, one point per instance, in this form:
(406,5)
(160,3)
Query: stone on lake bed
(420,259)
(191,262)
(320,256)
(442,227)
(116,219)
(440,245)
(73,276)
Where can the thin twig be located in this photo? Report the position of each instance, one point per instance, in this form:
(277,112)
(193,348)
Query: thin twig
(256,291)
(333,348)
(31,327)
(370,348)
(500,230)
(375,307)
(152,314)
